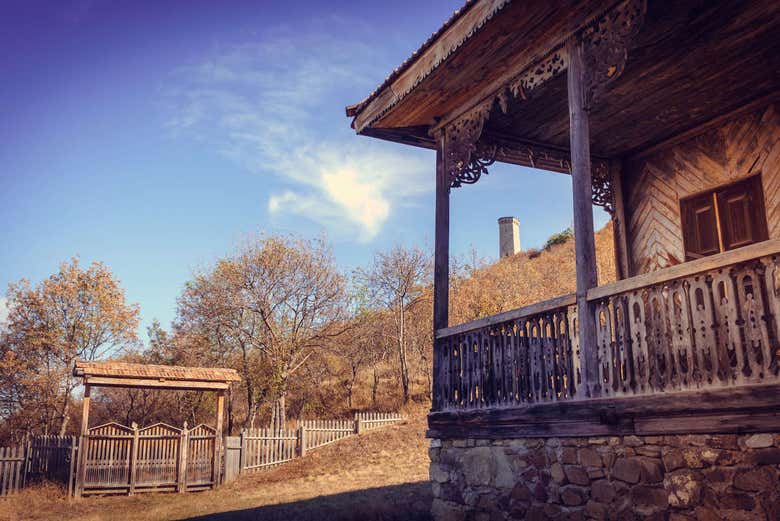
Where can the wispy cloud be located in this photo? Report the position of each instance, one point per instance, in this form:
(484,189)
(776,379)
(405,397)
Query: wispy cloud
(276,106)
(3,311)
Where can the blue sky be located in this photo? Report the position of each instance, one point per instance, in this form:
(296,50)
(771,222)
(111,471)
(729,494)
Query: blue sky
(155,136)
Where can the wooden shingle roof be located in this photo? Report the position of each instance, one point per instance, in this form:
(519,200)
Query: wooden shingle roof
(123,374)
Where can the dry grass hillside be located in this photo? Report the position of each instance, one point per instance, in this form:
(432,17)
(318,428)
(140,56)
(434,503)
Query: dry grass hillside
(528,277)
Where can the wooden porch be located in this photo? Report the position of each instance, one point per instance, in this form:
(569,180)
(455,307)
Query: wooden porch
(666,115)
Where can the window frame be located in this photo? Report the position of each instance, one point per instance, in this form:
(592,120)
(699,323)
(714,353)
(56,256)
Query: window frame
(757,220)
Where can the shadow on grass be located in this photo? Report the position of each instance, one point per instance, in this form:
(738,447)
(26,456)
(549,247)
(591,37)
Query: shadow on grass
(407,502)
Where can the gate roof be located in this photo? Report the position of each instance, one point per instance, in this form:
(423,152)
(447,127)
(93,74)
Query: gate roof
(122,374)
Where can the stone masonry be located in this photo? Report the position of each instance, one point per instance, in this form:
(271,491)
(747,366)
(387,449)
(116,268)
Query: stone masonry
(676,478)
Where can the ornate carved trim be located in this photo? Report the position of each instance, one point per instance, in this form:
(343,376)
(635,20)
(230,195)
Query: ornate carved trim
(605,45)
(464,162)
(603,193)
(555,62)
(482,157)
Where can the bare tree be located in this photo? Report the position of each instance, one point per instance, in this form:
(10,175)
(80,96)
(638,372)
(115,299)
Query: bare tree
(276,300)
(396,281)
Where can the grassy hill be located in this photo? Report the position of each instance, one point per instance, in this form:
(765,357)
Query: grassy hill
(528,277)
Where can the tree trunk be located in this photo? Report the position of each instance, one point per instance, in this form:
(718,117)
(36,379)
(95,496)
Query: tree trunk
(65,417)
(278,414)
(374,388)
(402,353)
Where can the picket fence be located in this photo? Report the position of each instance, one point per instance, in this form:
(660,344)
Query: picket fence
(11,469)
(129,459)
(265,448)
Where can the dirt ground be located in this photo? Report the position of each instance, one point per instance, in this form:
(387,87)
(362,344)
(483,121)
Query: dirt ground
(380,475)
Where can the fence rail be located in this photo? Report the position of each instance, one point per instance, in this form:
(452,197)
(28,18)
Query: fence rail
(374,420)
(265,448)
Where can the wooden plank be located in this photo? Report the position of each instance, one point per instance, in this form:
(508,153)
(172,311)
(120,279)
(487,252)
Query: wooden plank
(181,469)
(133,460)
(745,409)
(736,256)
(104,381)
(525,311)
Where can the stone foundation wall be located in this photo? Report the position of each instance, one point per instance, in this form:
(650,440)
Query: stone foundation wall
(693,477)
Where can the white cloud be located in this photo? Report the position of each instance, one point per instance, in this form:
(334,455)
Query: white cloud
(273,105)
(3,311)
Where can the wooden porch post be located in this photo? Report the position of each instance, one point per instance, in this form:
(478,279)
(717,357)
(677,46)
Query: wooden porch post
(441,268)
(582,190)
(218,437)
(82,455)
(620,228)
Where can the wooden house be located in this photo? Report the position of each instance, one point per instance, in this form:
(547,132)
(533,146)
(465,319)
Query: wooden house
(656,395)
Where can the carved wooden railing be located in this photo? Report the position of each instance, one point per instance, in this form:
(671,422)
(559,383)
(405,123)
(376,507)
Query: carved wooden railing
(519,357)
(705,324)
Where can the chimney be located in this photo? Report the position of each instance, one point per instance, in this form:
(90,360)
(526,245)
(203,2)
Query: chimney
(508,236)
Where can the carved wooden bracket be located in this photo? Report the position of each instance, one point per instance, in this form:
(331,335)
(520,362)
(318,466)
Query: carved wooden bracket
(601,180)
(605,45)
(464,160)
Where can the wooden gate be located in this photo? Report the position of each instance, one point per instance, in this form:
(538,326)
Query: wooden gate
(157,458)
(107,450)
(201,457)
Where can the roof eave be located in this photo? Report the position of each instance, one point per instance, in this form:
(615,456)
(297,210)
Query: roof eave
(460,27)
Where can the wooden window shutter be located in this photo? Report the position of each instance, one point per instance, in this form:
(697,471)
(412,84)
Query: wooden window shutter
(742,216)
(700,227)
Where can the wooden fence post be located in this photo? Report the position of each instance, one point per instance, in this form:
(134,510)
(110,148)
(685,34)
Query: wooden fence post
(83,441)
(218,438)
(181,485)
(27,457)
(242,453)
(301,441)
(72,466)
(133,458)
(358,426)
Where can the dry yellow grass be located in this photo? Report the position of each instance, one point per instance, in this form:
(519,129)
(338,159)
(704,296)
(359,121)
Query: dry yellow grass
(526,278)
(382,474)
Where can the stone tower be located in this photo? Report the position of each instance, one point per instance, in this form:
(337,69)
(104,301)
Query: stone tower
(508,236)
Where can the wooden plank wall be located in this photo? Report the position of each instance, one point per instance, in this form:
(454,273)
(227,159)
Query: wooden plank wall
(746,144)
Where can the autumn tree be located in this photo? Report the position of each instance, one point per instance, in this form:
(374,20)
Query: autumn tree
(74,314)
(271,304)
(396,281)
